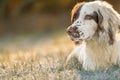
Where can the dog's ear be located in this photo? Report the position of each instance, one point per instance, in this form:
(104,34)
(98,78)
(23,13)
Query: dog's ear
(108,22)
(106,26)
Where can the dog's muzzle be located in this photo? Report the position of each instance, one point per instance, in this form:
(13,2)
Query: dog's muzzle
(73,32)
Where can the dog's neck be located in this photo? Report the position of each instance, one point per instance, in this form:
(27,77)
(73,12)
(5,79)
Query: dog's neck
(101,53)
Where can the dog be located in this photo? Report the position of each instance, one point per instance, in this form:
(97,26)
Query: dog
(95,24)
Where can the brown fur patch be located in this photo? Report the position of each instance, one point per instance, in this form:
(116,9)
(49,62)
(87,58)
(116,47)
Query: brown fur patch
(111,32)
(100,20)
(111,36)
(75,11)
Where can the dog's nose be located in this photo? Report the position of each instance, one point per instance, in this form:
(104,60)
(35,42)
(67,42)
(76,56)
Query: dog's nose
(71,30)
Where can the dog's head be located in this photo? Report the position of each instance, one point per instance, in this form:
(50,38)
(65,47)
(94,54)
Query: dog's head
(93,19)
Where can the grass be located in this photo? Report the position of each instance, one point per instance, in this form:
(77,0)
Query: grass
(35,58)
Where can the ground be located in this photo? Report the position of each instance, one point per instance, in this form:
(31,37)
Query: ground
(35,57)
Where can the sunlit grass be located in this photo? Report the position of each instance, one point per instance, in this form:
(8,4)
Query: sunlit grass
(29,59)
(35,58)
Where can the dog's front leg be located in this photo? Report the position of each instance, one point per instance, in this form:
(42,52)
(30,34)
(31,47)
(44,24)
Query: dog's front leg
(69,58)
(74,54)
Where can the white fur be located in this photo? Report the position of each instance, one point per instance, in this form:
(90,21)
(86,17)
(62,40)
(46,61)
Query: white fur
(96,52)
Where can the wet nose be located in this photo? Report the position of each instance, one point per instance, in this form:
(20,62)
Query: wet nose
(71,30)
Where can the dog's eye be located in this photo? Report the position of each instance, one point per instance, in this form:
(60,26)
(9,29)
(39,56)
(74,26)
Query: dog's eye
(88,17)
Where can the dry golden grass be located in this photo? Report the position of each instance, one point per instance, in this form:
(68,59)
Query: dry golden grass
(35,58)
(32,58)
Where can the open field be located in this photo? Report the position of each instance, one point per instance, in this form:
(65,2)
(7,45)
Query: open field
(31,57)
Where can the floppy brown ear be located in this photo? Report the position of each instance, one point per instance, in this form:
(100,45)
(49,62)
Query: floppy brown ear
(106,28)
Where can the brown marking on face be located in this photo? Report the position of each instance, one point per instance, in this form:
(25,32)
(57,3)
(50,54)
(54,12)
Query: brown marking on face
(95,16)
(100,20)
(75,11)
(92,16)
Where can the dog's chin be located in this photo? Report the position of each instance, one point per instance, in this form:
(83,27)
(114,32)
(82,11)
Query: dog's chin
(78,39)
(75,40)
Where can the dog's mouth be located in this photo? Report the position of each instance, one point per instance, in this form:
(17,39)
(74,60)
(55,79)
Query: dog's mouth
(74,36)
(73,33)
(78,36)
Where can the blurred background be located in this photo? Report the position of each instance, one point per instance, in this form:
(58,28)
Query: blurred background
(30,24)
(37,16)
